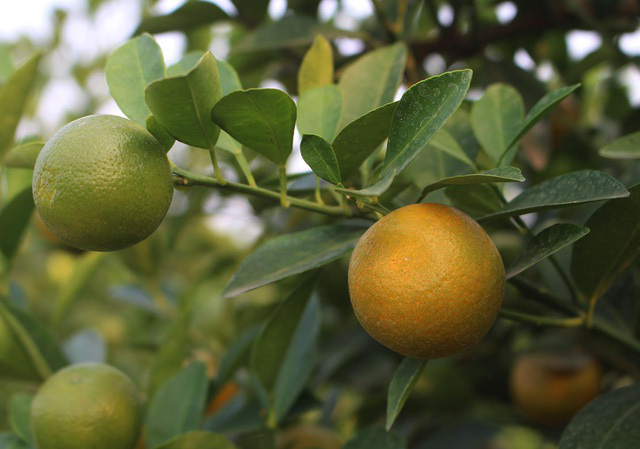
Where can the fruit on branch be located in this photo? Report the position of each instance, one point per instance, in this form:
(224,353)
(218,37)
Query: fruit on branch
(88,405)
(102,183)
(426,281)
(550,388)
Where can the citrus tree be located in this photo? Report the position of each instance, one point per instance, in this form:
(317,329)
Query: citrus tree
(457,265)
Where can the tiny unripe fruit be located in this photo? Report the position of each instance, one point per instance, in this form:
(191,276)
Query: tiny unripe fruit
(426,281)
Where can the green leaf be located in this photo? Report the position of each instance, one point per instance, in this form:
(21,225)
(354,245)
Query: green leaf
(178,406)
(262,119)
(235,354)
(376,189)
(293,254)
(319,155)
(546,243)
(160,133)
(186,63)
(445,142)
(610,421)
(375,438)
(372,80)
(69,292)
(228,77)
(198,439)
(475,200)
(14,94)
(23,155)
(358,140)
(496,118)
(129,70)
(401,385)
(6,63)
(8,441)
(626,147)
(20,415)
(583,186)
(282,356)
(500,174)
(421,112)
(182,104)
(611,247)
(14,218)
(319,111)
(191,15)
(252,11)
(316,68)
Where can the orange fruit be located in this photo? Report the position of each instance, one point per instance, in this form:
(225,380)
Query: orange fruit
(88,405)
(426,281)
(551,388)
(102,183)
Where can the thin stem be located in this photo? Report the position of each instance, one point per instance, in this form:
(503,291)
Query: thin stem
(541,320)
(216,167)
(186,178)
(318,192)
(284,200)
(244,166)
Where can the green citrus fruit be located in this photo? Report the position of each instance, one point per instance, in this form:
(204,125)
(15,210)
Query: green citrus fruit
(426,281)
(88,405)
(102,183)
(551,388)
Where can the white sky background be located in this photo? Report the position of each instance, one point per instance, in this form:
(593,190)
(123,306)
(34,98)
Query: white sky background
(116,20)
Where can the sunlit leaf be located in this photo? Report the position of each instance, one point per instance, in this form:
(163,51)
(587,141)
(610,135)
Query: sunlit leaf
(319,111)
(316,68)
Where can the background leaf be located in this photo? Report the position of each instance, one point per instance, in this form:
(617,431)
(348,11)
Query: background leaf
(198,440)
(14,218)
(178,406)
(262,119)
(319,111)
(496,118)
(626,147)
(358,140)
(319,155)
(547,242)
(192,14)
(292,254)
(610,421)
(20,415)
(401,385)
(583,186)
(421,112)
(182,105)
(316,68)
(375,438)
(372,81)
(129,70)
(500,174)
(23,155)
(444,141)
(611,247)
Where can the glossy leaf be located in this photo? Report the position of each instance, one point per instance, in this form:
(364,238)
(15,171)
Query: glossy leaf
(376,189)
(583,186)
(319,155)
(198,439)
(421,112)
(20,415)
(626,147)
(262,119)
(86,346)
(293,254)
(319,111)
(372,81)
(129,70)
(14,94)
(182,104)
(160,133)
(610,421)
(316,68)
(500,174)
(611,247)
(546,243)
(401,385)
(496,118)
(375,438)
(23,155)
(358,140)
(178,406)
(284,343)
(14,218)
(191,15)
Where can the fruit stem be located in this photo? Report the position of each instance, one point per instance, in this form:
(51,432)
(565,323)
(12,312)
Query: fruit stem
(284,201)
(216,167)
(542,320)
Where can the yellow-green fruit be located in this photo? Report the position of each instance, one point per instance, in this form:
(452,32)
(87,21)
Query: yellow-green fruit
(102,183)
(426,281)
(84,406)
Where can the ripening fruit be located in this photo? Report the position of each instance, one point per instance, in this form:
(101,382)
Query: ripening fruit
(551,388)
(426,281)
(102,183)
(88,405)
